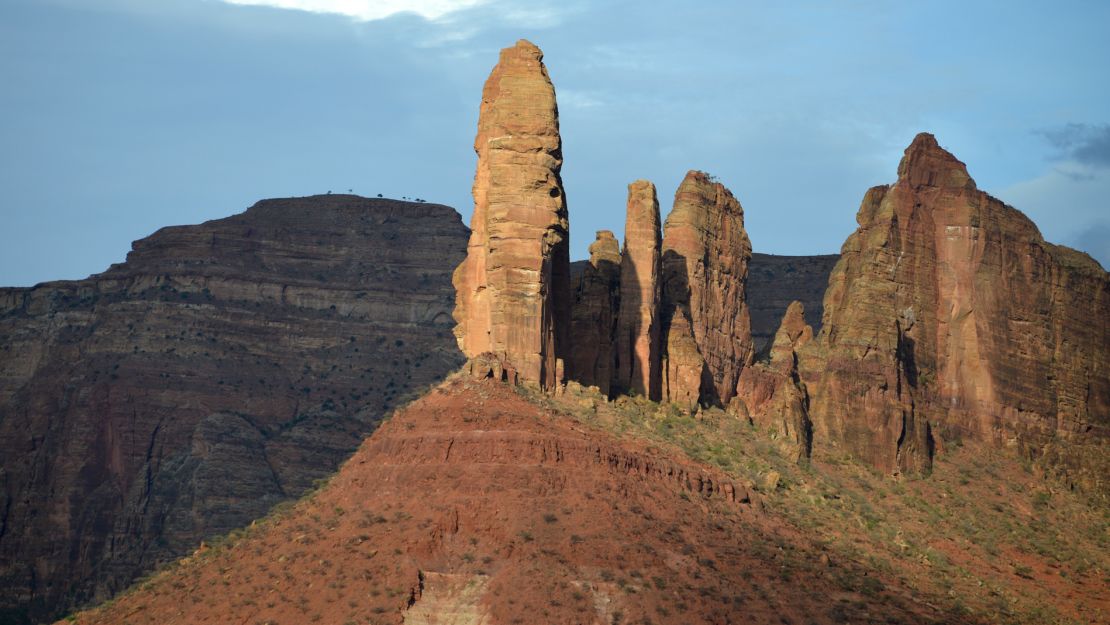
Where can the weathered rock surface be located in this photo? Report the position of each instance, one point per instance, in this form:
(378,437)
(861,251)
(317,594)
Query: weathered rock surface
(221,369)
(771,393)
(775,281)
(948,315)
(705,271)
(514,285)
(594,314)
(638,348)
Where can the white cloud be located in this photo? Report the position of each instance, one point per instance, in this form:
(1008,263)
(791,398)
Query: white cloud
(368,10)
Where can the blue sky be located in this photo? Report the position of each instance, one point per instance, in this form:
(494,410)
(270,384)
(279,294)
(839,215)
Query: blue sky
(118,117)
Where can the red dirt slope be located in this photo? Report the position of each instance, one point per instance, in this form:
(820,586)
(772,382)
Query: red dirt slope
(474,505)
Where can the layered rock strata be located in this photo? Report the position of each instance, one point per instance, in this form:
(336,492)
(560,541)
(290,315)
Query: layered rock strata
(948,315)
(637,335)
(594,315)
(513,289)
(223,368)
(704,274)
(771,393)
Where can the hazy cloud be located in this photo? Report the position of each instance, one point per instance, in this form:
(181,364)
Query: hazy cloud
(1088,144)
(127,115)
(368,10)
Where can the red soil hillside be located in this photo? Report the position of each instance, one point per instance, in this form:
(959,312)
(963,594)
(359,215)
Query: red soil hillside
(476,504)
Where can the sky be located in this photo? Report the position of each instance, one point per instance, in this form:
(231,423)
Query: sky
(118,117)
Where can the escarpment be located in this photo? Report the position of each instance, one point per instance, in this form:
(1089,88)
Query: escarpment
(513,288)
(221,369)
(949,316)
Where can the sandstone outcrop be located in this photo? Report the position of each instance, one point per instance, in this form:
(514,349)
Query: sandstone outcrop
(514,285)
(223,368)
(771,393)
(948,315)
(704,274)
(594,315)
(638,349)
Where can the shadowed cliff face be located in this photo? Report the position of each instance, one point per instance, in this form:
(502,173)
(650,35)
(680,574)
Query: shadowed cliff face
(775,281)
(221,369)
(949,316)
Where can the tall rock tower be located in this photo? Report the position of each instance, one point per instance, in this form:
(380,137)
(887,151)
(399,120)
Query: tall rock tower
(513,289)
(708,333)
(637,341)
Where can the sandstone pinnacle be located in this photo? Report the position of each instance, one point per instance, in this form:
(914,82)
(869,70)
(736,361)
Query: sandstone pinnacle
(513,288)
(772,395)
(638,350)
(594,315)
(706,252)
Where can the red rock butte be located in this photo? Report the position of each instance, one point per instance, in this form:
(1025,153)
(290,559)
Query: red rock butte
(949,316)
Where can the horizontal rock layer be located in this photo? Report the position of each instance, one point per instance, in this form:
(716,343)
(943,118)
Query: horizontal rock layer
(221,369)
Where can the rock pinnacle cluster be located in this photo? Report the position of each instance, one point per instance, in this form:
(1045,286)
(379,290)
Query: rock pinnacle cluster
(947,316)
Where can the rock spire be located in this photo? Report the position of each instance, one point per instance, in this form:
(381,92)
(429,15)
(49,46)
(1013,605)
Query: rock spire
(513,289)
(638,350)
(706,252)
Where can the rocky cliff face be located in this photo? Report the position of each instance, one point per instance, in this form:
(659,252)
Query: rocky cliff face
(948,315)
(594,315)
(514,286)
(637,339)
(221,369)
(704,272)
(771,393)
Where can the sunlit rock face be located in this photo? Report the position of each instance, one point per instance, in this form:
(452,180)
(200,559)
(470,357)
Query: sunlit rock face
(707,325)
(949,315)
(638,351)
(513,289)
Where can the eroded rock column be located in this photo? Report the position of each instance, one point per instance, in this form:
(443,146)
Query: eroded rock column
(513,289)
(705,270)
(772,395)
(638,352)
